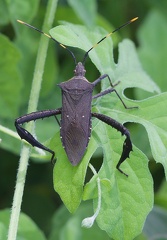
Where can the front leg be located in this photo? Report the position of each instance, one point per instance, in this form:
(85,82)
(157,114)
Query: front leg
(127,146)
(24,134)
(110,90)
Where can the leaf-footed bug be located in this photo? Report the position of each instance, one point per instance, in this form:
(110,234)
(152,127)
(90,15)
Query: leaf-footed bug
(75,124)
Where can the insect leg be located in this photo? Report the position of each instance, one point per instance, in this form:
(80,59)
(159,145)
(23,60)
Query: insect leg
(103,93)
(57,120)
(112,89)
(24,134)
(103,77)
(127,146)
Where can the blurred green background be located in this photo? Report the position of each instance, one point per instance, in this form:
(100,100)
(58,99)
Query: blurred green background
(18,49)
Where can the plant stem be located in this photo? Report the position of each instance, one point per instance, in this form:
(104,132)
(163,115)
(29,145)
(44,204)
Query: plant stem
(33,101)
(89,221)
(9,132)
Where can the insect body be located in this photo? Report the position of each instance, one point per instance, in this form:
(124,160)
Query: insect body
(76,112)
(76,115)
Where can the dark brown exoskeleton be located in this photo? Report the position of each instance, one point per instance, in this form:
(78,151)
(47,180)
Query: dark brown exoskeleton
(75,124)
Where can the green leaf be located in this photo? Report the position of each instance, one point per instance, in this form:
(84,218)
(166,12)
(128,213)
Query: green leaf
(125,201)
(69,180)
(129,200)
(129,70)
(67,226)
(152,37)
(152,114)
(79,37)
(3,231)
(10,80)
(85,10)
(27,42)
(27,229)
(22,10)
(4,19)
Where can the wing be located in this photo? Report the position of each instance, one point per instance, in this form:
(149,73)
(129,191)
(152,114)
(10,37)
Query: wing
(76,125)
(75,141)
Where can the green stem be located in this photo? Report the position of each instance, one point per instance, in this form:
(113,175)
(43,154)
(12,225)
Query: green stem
(88,222)
(9,132)
(33,101)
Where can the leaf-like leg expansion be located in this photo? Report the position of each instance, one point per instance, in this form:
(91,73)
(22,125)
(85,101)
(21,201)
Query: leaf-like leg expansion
(24,134)
(127,146)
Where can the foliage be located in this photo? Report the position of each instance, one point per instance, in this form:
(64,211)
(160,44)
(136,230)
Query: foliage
(69,184)
(27,228)
(125,201)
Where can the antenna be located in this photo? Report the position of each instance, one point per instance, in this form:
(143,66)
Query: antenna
(72,54)
(49,36)
(109,34)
